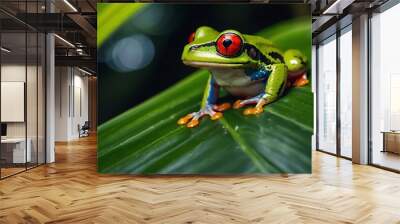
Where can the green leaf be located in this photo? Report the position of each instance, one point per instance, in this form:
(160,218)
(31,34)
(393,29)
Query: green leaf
(147,140)
(112,16)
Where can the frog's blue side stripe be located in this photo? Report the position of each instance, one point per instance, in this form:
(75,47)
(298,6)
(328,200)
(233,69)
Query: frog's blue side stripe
(257,74)
(210,93)
(213,94)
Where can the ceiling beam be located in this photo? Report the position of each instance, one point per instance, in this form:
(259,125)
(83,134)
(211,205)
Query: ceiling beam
(81,61)
(83,23)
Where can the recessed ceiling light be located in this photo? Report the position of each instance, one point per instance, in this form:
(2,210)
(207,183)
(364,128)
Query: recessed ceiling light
(5,50)
(337,7)
(84,71)
(64,40)
(70,5)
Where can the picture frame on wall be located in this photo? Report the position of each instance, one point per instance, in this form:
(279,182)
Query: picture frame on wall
(204,88)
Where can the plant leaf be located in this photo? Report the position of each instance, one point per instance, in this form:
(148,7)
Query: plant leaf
(147,140)
(112,16)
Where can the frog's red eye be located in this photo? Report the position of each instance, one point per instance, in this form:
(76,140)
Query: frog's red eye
(191,37)
(229,44)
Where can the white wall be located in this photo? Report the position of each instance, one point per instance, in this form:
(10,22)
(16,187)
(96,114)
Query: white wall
(13,72)
(10,73)
(71,102)
(16,73)
(62,81)
(33,127)
(80,110)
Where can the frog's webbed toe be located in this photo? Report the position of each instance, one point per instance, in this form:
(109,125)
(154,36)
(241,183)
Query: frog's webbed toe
(193,119)
(222,107)
(253,110)
(185,119)
(193,123)
(258,100)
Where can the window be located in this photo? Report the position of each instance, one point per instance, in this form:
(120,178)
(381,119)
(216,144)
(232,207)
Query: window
(385,89)
(345,43)
(334,106)
(326,93)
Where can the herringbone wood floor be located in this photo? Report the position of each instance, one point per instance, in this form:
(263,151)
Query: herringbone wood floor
(70,191)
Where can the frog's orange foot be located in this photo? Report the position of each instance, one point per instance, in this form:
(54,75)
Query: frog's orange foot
(241,103)
(193,119)
(193,123)
(253,110)
(222,107)
(258,100)
(216,116)
(238,104)
(185,119)
(302,81)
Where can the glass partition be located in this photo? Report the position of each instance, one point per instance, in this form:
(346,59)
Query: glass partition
(326,95)
(14,153)
(22,77)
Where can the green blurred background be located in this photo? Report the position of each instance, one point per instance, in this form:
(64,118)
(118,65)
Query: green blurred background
(139,49)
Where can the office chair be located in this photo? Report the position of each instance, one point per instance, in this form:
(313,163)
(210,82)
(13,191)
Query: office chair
(84,130)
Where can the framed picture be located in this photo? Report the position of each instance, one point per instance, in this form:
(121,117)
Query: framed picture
(213,89)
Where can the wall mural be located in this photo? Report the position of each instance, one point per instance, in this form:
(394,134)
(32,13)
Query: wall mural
(204,89)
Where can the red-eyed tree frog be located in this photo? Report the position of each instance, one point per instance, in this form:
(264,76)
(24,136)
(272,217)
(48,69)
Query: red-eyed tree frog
(246,66)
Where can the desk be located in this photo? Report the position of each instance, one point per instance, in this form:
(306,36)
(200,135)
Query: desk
(391,141)
(15,148)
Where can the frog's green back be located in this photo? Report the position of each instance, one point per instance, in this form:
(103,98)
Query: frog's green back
(258,41)
(261,43)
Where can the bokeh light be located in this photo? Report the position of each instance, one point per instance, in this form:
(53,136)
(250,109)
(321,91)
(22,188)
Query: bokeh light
(155,20)
(131,53)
